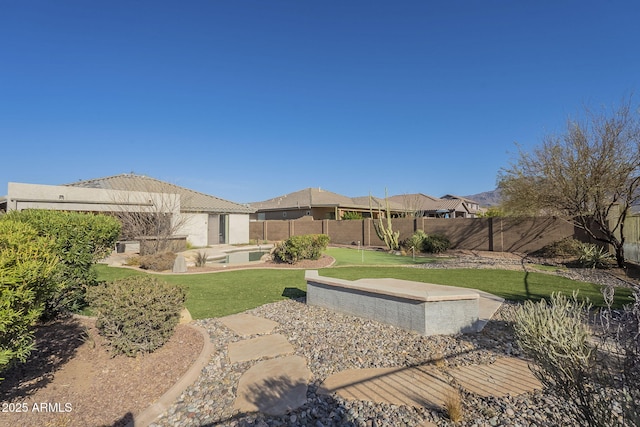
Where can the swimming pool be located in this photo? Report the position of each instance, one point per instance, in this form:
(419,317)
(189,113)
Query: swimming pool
(241,257)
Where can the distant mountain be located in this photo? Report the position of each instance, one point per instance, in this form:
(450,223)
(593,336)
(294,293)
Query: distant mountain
(487,199)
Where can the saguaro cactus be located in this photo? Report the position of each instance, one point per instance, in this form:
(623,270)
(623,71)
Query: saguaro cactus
(385,231)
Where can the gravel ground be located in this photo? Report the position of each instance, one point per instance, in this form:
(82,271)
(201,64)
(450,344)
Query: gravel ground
(332,342)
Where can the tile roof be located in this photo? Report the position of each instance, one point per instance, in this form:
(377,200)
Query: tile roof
(423,202)
(303,198)
(190,200)
(318,197)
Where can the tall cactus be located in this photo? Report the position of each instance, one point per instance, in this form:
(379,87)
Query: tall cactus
(385,231)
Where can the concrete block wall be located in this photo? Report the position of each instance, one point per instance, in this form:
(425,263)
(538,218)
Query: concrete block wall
(486,234)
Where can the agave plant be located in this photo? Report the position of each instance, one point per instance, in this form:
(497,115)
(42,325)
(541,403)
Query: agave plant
(201,259)
(594,256)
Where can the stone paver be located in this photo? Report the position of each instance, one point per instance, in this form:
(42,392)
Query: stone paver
(256,348)
(279,385)
(246,324)
(274,386)
(416,386)
(508,375)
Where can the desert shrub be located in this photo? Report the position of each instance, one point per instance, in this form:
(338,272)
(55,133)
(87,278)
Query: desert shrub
(567,247)
(296,248)
(435,243)
(416,241)
(201,259)
(80,240)
(132,261)
(601,383)
(594,256)
(351,215)
(453,406)
(27,270)
(136,314)
(158,262)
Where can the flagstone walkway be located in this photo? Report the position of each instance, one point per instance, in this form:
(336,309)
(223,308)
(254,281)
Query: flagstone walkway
(278,381)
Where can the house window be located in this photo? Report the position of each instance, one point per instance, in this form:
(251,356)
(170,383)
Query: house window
(261,216)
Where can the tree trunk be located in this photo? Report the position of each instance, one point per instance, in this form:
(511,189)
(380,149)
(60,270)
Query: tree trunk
(619,248)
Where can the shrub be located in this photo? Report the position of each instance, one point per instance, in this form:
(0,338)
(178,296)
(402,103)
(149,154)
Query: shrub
(201,259)
(351,215)
(601,383)
(27,268)
(435,243)
(567,247)
(137,313)
(80,240)
(132,261)
(416,241)
(158,262)
(296,248)
(594,256)
(453,406)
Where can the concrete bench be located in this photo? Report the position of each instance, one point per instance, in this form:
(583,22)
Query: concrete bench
(422,307)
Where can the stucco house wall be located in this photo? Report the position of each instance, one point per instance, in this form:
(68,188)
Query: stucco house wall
(194,226)
(238,228)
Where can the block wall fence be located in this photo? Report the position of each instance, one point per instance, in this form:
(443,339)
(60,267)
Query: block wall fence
(486,234)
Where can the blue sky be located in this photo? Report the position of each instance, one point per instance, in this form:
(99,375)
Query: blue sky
(248,100)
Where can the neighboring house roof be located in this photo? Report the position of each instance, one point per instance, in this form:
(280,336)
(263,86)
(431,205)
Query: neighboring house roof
(378,203)
(426,203)
(464,199)
(415,202)
(190,200)
(317,197)
(306,198)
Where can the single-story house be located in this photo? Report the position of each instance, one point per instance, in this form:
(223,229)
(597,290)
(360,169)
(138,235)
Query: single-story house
(318,204)
(204,219)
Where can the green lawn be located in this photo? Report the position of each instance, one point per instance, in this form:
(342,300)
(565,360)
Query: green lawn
(229,292)
(508,284)
(346,256)
(220,294)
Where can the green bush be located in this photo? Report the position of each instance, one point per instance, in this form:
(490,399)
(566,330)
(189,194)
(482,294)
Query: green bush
(137,313)
(80,240)
(435,243)
(158,262)
(27,268)
(416,241)
(296,248)
(567,247)
(351,215)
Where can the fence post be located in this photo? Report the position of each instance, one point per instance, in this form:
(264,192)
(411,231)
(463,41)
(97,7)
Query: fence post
(265,235)
(366,232)
(491,234)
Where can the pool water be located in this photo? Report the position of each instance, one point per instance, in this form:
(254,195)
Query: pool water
(241,257)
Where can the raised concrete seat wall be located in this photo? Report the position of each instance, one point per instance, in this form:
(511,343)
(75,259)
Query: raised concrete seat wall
(422,307)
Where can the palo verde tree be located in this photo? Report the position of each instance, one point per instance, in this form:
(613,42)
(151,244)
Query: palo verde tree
(588,175)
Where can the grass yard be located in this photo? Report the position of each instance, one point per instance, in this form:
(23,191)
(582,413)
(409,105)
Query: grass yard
(508,284)
(346,256)
(229,292)
(224,293)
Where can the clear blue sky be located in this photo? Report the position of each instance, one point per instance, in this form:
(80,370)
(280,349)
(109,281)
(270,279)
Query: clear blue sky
(248,100)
